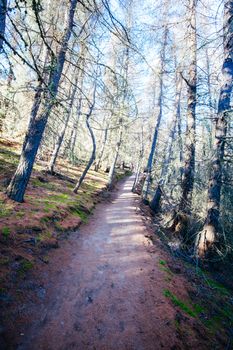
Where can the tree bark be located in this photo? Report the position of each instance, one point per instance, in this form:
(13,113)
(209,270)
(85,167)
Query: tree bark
(140,159)
(93,153)
(189,166)
(155,203)
(73,138)
(112,168)
(38,121)
(148,179)
(63,131)
(105,137)
(3,13)
(212,230)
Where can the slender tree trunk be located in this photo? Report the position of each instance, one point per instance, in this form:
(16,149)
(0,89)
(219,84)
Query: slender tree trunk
(137,174)
(93,153)
(148,179)
(91,160)
(189,167)
(155,203)
(80,99)
(212,230)
(116,154)
(105,137)
(3,12)
(38,121)
(209,124)
(140,159)
(63,131)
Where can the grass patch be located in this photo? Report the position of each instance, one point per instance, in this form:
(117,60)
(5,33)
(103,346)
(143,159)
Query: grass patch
(223,316)
(218,286)
(163,267)
(61,197)
(181,304)
(6,232)
(83,216)
(43,236)
(25,266)
(47,185)
(45,220)
(20,214)
(162,262)
(5,211)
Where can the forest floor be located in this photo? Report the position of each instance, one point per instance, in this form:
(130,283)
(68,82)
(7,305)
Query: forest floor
(111,285)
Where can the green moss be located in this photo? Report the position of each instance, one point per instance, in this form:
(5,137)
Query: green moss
(165,268)
(83,216)
(44,235)
(4,211)
(58,226)
(128,173)
(25,266)
(6,232)
(47,185)
(177,325)
(218,286)
(8,157)
(178,302)
(162,262)
(48,206)
(198,308)
(20,214)
(45,219)
(60,198)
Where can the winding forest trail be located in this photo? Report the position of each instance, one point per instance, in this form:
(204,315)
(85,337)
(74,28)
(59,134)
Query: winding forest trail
(104,288)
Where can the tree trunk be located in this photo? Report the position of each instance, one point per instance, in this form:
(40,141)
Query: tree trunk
(189,166)
(62,134)
(212,229)
(38,121)
(98,163)
(158,119)
(140,159)
(137,175)
(3,13)
(155,203)
(112,168)
(91,160)
(93,154)
(73,138)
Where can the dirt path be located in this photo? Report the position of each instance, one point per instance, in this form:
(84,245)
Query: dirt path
(104,289)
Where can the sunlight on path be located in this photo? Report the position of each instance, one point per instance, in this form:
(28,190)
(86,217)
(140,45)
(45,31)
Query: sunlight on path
(106,298)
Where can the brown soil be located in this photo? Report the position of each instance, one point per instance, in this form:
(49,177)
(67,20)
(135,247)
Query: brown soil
(104,290)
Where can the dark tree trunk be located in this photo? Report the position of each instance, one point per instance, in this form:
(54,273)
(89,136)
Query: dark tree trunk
(148,179)
(38,121)
(212,229)
(3,13)
(189,166)
(74,134)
